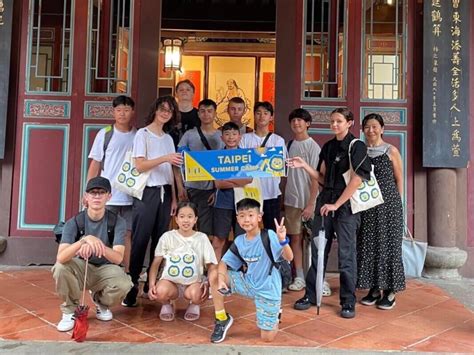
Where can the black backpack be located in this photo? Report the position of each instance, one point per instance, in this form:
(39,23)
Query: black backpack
(282,266)
(80,220)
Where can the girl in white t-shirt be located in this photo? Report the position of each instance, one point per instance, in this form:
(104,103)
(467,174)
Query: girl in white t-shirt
(185,252)
(153,150)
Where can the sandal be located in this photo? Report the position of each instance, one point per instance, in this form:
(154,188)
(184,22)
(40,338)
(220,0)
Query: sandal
(326,289)
(297,285)
(193,312)
(167,313)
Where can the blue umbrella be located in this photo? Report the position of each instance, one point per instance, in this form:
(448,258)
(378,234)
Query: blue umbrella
(320,243)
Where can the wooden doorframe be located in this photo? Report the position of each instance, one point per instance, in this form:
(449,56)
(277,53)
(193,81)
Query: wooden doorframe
(32,245)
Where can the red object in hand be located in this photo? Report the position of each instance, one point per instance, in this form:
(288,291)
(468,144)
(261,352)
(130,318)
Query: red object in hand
(81,325)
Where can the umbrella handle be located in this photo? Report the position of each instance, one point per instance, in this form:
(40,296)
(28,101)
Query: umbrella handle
(85,281)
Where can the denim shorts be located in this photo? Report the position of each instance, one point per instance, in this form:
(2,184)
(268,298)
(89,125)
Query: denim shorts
(267,310)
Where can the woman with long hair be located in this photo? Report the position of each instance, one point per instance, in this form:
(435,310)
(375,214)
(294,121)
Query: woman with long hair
(154,151)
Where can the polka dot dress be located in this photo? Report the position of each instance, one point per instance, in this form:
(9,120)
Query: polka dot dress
(379,243)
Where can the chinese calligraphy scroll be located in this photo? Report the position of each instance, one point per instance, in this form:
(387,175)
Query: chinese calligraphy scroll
(446,83)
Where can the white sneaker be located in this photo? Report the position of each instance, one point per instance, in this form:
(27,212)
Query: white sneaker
(102,312)
(66,323)
(143,277)
(326,289)
(297,285)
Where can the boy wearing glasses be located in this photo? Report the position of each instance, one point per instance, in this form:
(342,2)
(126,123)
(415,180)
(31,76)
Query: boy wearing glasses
(107,154)
(98,235)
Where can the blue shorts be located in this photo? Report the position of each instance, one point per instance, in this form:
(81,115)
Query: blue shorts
(267,310)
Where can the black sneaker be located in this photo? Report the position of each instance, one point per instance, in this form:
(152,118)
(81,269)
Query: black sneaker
(387,301)
(220,329)
(303,304)
(372,297)
(131,299)
(348,311)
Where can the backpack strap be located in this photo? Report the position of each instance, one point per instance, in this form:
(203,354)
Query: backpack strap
(233,248)
(109,132)
(80,220)
(111,221)
(266,139)
(268,248)
(288,146)
(203,139)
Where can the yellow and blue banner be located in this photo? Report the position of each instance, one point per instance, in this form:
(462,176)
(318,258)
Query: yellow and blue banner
(234,163)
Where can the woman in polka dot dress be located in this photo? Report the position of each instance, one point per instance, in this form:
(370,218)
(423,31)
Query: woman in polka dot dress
(379,244)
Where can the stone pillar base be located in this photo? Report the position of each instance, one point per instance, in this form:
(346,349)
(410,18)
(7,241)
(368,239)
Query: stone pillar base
(3,244)
(444,262)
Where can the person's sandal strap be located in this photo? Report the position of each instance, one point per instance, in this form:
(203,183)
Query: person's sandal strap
(167,313)
(193,312)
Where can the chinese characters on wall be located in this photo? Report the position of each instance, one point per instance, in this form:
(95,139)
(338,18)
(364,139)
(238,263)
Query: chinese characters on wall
(446,83)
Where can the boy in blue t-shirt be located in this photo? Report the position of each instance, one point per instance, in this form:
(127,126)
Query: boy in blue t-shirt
(255,283)
(224,218)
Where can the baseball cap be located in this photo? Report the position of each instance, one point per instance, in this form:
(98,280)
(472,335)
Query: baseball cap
(99,182)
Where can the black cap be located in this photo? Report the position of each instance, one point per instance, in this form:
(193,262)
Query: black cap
(99,182)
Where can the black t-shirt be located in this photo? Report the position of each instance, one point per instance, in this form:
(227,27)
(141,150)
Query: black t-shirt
(188,121)
(336,160)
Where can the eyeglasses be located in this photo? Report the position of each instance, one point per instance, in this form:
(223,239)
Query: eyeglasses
(164,109)
(97,193)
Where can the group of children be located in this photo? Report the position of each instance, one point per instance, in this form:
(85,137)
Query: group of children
(182,255)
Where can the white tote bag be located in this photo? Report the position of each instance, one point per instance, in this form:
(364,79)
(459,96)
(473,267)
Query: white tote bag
(368,194)
(181,266)
(129,180)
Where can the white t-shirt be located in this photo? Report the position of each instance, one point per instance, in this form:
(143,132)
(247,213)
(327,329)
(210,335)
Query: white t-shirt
(198,242)
(298,183)
(150,146)
(119,144)
(270,186)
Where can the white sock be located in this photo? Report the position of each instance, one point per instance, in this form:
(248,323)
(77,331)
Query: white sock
(300,273)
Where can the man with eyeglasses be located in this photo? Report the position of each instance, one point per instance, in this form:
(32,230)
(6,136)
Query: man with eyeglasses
(98,235)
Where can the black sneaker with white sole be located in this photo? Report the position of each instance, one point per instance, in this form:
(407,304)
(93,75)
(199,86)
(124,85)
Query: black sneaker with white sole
(372,297)
(220,329)
(387,302)
(131,299)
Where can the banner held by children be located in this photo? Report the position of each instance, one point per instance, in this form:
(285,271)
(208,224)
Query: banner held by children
(234,164)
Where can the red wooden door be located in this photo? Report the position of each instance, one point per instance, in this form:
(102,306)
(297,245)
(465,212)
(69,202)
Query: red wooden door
(77,56)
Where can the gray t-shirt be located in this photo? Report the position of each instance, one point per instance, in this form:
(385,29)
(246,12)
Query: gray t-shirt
(97,229)
(298,183)
(192,141)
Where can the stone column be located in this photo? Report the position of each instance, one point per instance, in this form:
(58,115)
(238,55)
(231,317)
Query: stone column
(443,258)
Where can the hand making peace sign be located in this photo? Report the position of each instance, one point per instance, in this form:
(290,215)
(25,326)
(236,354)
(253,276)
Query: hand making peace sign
(280,229)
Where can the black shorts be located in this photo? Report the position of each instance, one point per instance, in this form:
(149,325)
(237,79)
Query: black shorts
(224,221)
(205,211)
